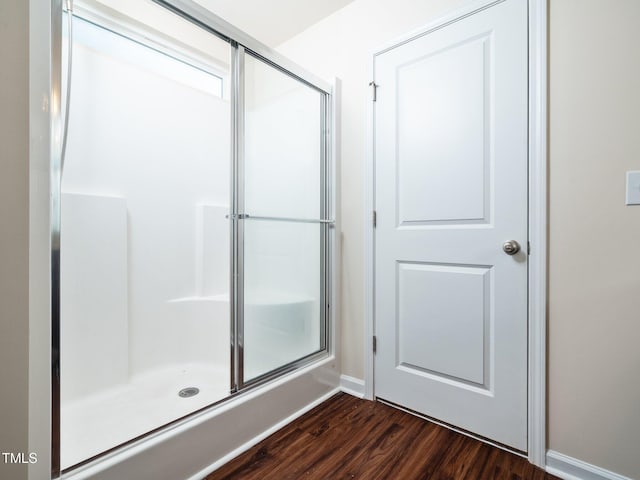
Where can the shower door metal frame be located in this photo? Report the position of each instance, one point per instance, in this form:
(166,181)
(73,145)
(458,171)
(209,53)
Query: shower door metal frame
(236,294)
(55,162)
(207,20)
(240,44)
(239,216)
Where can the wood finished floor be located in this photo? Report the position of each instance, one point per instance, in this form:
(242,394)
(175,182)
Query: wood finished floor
(349,438)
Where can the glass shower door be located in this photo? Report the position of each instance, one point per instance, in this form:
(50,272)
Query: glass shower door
(284,224)
(144,262)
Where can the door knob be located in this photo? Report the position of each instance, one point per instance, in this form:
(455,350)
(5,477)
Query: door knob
(511,247)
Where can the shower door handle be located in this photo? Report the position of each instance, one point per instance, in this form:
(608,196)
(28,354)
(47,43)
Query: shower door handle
(290,219)
(246,216)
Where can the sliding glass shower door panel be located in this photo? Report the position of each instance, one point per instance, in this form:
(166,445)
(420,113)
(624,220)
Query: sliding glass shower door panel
(144,239)
(283,225)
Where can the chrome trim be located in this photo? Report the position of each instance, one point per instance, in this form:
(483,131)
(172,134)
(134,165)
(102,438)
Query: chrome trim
(208,20)
(324,227)
(236,216)
(329,213)
(236,294)
(240,174)
(233,94)
(246,216)
(286,71)
(55,166)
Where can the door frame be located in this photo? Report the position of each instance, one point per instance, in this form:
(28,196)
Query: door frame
(537,213)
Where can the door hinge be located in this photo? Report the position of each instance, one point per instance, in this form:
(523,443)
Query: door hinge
(528,248)
(374,95)
(374,219)
(375,344)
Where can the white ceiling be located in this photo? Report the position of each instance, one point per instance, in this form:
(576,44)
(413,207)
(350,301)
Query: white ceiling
(273,21)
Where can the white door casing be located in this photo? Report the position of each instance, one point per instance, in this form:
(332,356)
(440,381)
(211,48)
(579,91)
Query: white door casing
(450,149)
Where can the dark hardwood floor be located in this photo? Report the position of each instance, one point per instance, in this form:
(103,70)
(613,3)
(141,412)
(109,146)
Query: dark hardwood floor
(348,438)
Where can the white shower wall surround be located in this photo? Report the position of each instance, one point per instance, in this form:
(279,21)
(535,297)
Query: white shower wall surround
(148,140)
(145,293)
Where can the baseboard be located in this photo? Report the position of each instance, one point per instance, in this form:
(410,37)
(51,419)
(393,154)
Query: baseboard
(246,446)
(352,386)
(569,468)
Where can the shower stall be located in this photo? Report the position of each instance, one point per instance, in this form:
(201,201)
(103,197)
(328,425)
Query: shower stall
(195,240)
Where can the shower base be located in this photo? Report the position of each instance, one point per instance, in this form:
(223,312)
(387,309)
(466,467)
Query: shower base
(99,422)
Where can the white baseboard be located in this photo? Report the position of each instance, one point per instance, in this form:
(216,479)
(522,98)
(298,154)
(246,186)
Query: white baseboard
(569,468)
(246,446)
(352,386)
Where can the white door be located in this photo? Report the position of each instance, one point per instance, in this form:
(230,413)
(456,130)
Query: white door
(450,190)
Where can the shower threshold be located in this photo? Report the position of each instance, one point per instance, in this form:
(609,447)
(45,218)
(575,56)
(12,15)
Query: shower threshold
(96,423)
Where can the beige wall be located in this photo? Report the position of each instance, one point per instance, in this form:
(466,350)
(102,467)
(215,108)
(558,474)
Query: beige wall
(14,232)
(39,245)
(594,324)
(594,289)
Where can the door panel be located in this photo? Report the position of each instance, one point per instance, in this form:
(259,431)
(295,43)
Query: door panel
(451,188)
(437,334)
(443,101)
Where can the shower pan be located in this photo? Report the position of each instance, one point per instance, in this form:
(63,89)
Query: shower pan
(195,233)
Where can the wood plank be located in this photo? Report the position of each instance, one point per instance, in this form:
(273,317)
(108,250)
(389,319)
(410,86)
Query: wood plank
(346,437)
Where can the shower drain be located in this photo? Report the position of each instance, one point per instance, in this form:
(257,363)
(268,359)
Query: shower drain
(188,392)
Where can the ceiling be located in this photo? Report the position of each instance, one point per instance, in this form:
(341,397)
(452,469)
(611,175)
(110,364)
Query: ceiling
(273,21)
